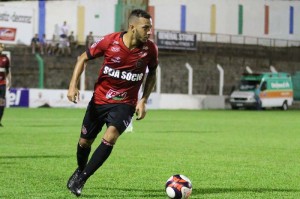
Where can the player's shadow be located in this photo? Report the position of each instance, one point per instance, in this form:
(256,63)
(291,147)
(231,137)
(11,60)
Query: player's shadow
(232,190)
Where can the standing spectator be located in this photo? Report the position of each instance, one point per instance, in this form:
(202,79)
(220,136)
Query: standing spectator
(64,31)
(5,80)
(72,41)
(89,40)
(63,41)
(115,99)
(257,97)
(35,43)
(43,44)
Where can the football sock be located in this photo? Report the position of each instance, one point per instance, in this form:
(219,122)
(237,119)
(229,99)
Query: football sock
(1,112)
(82,156)
(98,158)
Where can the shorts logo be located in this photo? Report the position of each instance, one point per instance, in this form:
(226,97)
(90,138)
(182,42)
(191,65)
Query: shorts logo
(115,95)
(126,123)
(83,130)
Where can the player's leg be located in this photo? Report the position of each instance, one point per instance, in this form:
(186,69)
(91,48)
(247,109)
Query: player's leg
(2,101)
(116,119)
(90,128)
(102,152)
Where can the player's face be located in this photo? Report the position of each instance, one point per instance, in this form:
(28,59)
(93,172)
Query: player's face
(143,29)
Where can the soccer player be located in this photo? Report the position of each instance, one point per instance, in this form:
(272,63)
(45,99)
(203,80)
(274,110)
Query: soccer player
(127,55)
(5,80)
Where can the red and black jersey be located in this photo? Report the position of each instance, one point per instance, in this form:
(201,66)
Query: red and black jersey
(4,68)
(123,70)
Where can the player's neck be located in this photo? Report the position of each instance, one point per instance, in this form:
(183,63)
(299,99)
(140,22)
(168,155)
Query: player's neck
(129,41)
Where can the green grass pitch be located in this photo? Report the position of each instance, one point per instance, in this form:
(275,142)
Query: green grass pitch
(226,154)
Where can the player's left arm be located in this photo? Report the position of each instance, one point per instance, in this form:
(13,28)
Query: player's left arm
(140,109)
(8,80)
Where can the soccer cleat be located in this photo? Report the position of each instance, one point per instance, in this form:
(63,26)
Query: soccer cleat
(73,178)
(77,186)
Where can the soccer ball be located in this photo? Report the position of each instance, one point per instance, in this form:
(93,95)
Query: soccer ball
(178,187)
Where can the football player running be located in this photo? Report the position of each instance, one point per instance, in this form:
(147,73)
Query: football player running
(127,55)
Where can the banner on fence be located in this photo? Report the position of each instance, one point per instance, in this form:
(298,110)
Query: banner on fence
(16,25)
(176,40)
(18,97)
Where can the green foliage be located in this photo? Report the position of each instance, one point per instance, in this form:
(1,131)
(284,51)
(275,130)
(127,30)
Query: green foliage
(226,154)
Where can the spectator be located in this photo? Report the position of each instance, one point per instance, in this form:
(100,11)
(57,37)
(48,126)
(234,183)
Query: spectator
(72,41)
(64,31)
(35,43)
(257,97)
(89,40)
(52,45)
(43,44)
(63,41)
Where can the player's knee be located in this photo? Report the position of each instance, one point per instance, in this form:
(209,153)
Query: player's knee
(85,143)
(111,135)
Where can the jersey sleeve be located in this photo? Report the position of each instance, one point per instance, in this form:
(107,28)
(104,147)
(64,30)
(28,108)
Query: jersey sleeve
(152,65)
(7,65)
(98,48)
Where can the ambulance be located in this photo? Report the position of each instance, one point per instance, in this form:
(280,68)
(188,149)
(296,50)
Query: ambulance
(276,90)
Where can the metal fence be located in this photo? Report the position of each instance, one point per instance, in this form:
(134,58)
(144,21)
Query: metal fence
(245,40)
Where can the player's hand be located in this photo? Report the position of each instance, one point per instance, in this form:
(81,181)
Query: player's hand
(140,110)
(73,95)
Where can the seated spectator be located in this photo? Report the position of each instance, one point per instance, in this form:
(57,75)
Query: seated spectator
(52,46)
(35,44)
(89,40)
(63,46)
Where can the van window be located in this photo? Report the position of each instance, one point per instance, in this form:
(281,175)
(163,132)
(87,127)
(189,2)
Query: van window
(247,85)
(264,86)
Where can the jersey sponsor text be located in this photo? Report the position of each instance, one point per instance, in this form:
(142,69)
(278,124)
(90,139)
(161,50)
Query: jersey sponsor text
(122,74)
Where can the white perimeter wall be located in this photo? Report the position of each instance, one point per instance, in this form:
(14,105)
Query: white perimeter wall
(167,16)
(58,98)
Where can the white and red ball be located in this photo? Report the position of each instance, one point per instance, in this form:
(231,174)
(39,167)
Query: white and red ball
(178,187)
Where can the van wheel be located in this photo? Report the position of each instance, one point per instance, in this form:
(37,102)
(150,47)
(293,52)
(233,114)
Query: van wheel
(284,106)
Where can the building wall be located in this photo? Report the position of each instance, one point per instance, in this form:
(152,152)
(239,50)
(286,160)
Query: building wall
(198,16)
(99,16)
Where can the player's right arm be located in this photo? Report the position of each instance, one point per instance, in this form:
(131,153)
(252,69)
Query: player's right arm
(73,92)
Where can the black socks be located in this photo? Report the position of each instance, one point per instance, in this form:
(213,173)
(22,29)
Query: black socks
(98,158)
(82,156)
(1,112)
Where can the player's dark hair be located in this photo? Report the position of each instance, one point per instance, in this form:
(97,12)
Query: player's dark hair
(139,13)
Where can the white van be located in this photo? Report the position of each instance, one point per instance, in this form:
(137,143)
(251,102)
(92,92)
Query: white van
(276,91)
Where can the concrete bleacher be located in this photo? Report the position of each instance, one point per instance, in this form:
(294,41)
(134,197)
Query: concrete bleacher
(233,59)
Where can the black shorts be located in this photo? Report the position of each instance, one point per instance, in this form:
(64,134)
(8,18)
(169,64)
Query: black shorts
(2,94)
(117,115)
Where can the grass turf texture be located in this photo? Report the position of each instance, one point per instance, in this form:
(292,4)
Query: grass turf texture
(226,154)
